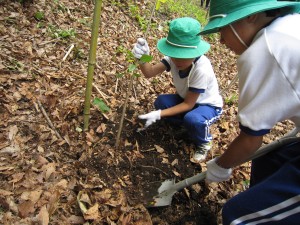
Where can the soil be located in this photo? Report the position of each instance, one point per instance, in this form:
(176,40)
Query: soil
(150,157)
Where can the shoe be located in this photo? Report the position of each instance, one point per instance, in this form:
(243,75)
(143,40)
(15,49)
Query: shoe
(201,151)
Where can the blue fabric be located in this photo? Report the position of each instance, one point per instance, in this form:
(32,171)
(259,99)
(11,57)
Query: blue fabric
(166,64)
(197,121)
(196,90)
(275,182)
(253,132)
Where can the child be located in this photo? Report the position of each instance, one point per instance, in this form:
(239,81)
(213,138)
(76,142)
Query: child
(266,35)
(197,103)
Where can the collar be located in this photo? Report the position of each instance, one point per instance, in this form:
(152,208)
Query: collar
(184,74)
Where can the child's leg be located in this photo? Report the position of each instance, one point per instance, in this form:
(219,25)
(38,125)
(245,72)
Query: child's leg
(273,201)
(166,101)
(274,160)
(198,121)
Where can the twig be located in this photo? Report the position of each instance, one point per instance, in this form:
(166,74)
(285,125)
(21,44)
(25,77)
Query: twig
(148,150)
(48,42)
(99,91)
(134,91)
(123,113)
(155,168)
(48,119)
(116,87)
(68,52)
(229,86)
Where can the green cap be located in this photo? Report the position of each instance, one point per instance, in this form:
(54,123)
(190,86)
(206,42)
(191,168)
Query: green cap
(225,12)
(183,39)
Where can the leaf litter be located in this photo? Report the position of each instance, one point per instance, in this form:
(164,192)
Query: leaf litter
(58,174)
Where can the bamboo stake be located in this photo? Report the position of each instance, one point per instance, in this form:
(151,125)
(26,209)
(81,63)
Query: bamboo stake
(91,63)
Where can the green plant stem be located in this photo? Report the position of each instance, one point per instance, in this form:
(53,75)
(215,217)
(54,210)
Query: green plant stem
(123,112)
(91,63)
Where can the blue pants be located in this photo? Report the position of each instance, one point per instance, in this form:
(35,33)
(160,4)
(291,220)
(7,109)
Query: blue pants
(274,194)
(196,121)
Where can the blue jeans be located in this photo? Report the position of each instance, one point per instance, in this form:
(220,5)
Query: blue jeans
(274,194)
(196,121)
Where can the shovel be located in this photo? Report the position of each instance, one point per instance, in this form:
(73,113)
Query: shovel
(168,188)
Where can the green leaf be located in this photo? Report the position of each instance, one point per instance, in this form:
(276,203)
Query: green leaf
(146,58)
(101,105)
(131,67)
(119,75)
(136,75)
(39,15)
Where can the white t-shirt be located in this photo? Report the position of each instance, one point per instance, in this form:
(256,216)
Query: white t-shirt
(201,79)
(269,76)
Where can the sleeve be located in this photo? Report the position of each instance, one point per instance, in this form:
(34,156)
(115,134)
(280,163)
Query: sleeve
(266,92)
(166,61)
(200,75)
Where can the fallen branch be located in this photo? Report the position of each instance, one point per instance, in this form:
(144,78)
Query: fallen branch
(68,52)
(100,92)
(116,87)
(48,119)
(155,168)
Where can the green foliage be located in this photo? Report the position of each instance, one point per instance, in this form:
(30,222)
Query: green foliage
(116,3)
(184,8)
(79,53)
(135,13)
(39,15)
(231,100)
(131,67)
(101,105)
(190,8)
(86,21)
(246,184)
(146,58)
(61,33)
(66,33)
(15,65)
(119,75)
(60,6)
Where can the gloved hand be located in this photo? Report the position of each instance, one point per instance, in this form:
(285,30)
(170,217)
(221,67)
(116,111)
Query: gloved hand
(151,117)
(215,173)
(140,48)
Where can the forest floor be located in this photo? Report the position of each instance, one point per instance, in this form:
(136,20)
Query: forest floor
(51,172)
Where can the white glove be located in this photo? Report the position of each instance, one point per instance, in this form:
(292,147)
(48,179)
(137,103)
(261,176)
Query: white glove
(215,173)
(151,117)
(140,48)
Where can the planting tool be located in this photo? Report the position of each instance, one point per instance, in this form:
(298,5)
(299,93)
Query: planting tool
(168,188)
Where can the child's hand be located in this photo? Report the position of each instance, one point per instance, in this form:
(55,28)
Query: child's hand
(140,48)
(151,117)
(215,173)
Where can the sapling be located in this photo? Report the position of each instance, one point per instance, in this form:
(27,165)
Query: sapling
(131,69)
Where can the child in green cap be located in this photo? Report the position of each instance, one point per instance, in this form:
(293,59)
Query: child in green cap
(197,103)
(266,36)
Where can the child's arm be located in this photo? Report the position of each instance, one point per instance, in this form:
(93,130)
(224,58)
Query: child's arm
(142,48)
(152,70)
(188,103)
